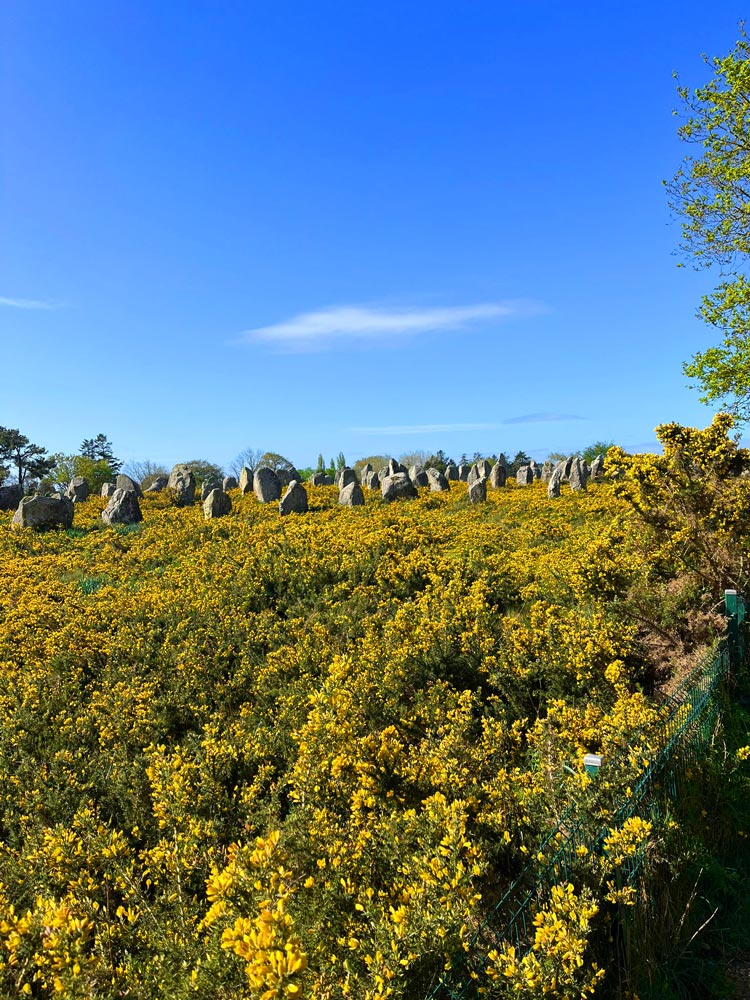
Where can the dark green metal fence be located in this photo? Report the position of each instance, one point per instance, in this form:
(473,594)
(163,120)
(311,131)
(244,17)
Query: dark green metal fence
(686,727)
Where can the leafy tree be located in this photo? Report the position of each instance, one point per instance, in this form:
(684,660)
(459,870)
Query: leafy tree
(321,466)
(204,470)
(711,193)
(521,458)
(415,458)
(99,449)
(376,461)
(597,448)
(439,460)
(340,461)
(31,461)
(95,471)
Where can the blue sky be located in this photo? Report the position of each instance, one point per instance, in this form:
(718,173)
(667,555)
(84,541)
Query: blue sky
(358,227)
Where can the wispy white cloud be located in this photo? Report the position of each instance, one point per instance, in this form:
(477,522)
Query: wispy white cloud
(543,418)
(26,303)
(320,328)
(532,418)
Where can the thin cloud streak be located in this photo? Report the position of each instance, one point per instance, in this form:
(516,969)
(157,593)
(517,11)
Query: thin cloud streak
(26,303)
(543,418)
(321,327)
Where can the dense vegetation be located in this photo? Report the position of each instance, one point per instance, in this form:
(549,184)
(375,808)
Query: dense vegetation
(264,757)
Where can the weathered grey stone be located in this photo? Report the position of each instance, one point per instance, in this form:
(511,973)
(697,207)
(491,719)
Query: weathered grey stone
(568,467)
(217,504)
(246,480)
(536,469)
(365,471)
(418,476)
(382,473)
(286,476)
(373,481)
(451,472)
(498,475)
(395,467)
(553,487)
(463,472)
(436,480)
(108,489)
(10,496)
(597,467)
(578,475)
(478,491)
(561,466)
(267,487)
(294,500)
(346,477)
(351,495)
(398,487)
(41,513)
(78,489)
(158,485)
(229,483)
(182,484)
(207,486)
(547,471)
(123,508)
(480,470)
(320,479)
(525,476)
(124,482)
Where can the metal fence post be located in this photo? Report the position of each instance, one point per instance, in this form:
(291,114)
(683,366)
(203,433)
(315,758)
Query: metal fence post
(731,606)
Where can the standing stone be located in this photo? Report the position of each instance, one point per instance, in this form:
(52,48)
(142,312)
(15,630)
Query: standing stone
(124,482)
(524,476)
(561,468)
(482,469)
(158,485)
(553,487)
(41,513)
(246,480)
(229,483)
(395,467)
(346,477)
(373,481)
(463,472)
(217,504)
(182,484)
(108,489)
(267,487)
(597,467)
(478,491)
(547,471)
(351,495)
(398,487)
(568,467)
(577,475)
(78,489)
(10,496)
(365,472)
(382,473)
(451,472)
(536,469)
(320,479)
(294,500)
(287,475)
(418,476)
(208,486)
(122,508)
(498,475)
(437,481)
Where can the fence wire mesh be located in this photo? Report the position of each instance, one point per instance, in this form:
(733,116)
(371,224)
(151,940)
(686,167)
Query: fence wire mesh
(686,726)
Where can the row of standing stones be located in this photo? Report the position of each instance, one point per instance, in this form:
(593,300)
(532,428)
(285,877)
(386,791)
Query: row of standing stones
(394,481)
